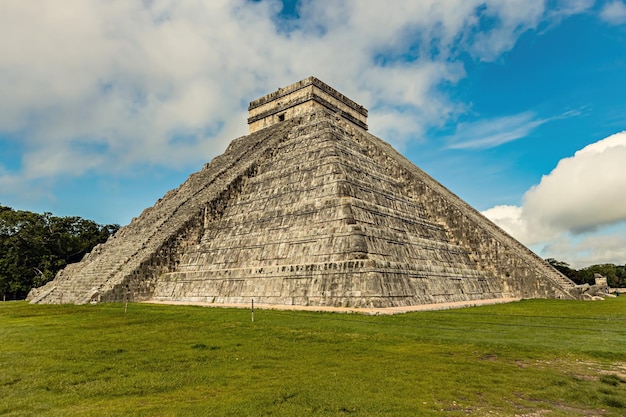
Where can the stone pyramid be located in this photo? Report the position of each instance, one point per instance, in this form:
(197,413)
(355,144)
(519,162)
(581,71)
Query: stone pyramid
(308,209)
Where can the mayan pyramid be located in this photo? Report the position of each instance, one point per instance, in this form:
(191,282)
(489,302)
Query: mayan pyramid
(308,209)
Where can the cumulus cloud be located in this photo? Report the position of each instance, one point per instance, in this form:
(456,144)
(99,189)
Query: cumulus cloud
(585,191)
(512,19)
(510,219)
(592,249)
(614,12)
(581,196)
(106,86)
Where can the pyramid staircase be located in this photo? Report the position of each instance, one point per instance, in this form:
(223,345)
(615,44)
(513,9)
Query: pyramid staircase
(127,266)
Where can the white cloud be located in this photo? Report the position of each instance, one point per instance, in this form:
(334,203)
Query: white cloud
(511,220)
(513,17)
(490,133)
(582,251)
(579,200)
(614,12)
(104,86)
(585,191)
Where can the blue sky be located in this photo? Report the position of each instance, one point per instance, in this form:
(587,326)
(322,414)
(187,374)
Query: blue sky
(516,106)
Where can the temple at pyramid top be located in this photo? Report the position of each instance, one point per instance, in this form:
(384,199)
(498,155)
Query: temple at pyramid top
(295,99)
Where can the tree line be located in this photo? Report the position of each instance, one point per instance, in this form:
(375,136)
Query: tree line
(615,274)
(34,247)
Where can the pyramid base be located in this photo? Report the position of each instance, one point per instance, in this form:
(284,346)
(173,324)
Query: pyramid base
(346,310)
(354,284)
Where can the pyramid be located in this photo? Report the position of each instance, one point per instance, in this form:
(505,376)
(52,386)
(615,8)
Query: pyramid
(308,209)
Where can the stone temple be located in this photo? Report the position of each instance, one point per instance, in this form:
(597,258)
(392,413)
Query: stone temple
(308,209)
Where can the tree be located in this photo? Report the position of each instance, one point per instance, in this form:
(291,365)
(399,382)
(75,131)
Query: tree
(34,247)
(616,275)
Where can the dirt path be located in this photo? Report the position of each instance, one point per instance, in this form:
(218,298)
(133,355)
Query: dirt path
(349,310)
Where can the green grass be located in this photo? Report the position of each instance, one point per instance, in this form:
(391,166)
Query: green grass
(564,357)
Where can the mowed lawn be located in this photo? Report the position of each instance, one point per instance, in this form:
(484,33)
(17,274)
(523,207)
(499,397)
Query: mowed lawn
(532,358)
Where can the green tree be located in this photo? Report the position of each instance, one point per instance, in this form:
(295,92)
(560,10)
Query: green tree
(34,247)
(620,273)
(613,273)
(616,275)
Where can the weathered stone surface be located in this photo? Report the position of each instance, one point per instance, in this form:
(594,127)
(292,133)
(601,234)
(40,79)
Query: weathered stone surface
(299,98)
(308,210)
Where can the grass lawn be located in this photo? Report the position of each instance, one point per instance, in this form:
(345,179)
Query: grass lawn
(533,358)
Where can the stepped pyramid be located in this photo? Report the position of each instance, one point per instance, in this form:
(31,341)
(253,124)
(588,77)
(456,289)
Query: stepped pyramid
(308,209)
